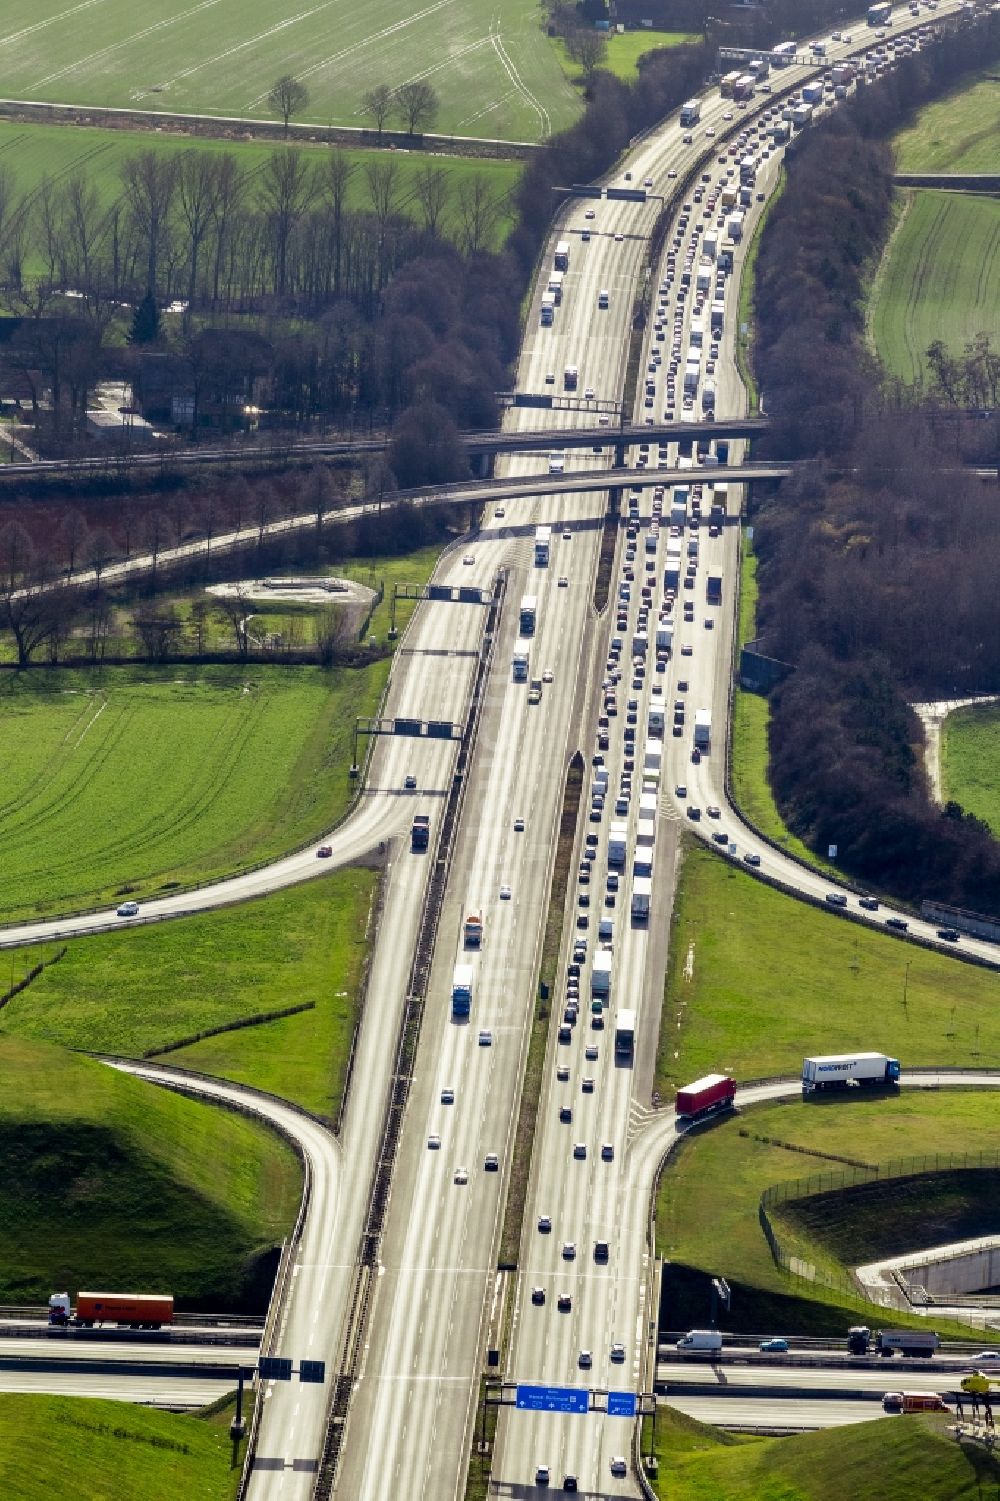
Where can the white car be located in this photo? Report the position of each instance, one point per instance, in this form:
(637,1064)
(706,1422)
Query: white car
(128,909)
(547,675)
(710,132)
(469,559)
(505,893)
(461,1176)
(589,394)
(499,513)
(728,115)
(619,237)
(434,1142)
(563,581)
(589,214)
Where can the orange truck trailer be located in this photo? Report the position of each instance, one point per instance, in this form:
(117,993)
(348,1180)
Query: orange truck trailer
(134,1310)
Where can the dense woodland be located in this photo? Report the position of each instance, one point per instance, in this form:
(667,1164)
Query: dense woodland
(878,566)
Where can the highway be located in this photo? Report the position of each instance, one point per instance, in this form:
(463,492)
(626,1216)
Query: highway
(777,1413)
(580,1195)
(410,1420)
(859,1382)
(179,1393)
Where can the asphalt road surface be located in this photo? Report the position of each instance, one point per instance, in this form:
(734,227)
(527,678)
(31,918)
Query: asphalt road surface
(412,1412)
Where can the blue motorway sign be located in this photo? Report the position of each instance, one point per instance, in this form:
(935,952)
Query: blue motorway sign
(622,1404)
(553,1398)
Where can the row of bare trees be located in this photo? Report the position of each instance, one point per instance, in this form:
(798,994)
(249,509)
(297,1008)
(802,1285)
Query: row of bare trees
(197,225)
(61,598)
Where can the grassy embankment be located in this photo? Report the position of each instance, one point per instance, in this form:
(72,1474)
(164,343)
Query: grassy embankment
(957,133)
(749,749)
(970,762)
(939,279)
(895,1459)
(756,980)
(111,1182)
(142,991)
(140,780)
(745,304)
(61,1447)
(707,1209)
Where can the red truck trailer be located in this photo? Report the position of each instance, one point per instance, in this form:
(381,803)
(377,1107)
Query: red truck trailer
(137,1310)
(709,1096)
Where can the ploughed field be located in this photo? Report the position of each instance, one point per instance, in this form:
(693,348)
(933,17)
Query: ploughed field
(493,68)
(940,279)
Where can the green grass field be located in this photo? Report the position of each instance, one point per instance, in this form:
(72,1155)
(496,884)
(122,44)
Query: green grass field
(492,66)
(970,762)
(706,1213)
(895,1459)
(957,133)
(140,780)
(755,980)
(625,48)
(939,279)
(110,1182)
(59,152)
(99,1450)
(137,992)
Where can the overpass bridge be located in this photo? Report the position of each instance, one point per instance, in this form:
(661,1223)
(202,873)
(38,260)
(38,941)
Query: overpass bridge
(479,445)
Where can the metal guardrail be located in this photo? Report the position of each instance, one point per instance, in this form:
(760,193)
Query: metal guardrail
(232,1340)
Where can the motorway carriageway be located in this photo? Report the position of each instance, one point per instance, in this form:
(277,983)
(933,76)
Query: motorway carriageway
(419,1407)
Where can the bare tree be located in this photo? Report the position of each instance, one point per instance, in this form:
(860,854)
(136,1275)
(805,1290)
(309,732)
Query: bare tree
(234,610)
(198,611)
(150,182)
(197,190)
(588,48)
(13,227)
(158,632)
(101,549)
(288,97)
(329,628)
(382,178)
(287,185)
(333,189)
(480,210)
(27,608)
(417,105)
(73,533)
(378,104)
(431,187)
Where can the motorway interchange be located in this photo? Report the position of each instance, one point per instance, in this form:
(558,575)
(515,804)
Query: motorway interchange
(438,1299)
